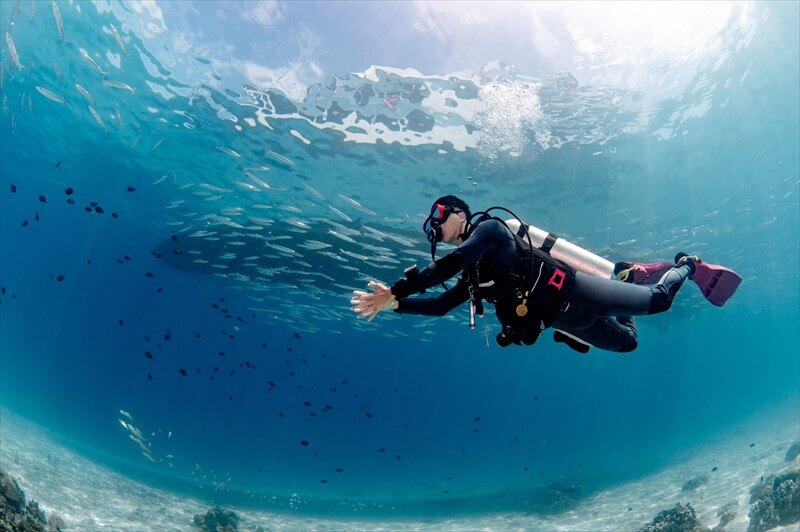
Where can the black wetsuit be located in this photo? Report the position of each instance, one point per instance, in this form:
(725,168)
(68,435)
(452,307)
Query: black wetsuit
(596,310)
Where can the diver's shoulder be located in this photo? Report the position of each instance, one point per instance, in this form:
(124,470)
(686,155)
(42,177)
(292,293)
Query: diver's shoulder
(492,226)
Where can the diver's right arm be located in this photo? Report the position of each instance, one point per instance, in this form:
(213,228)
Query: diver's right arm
(435,306)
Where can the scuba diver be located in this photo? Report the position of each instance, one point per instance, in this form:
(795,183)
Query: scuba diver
(530,289)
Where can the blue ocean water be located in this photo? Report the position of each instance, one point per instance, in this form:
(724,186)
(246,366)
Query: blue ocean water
(254,162)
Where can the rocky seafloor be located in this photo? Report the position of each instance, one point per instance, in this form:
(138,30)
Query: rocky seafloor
(750,481)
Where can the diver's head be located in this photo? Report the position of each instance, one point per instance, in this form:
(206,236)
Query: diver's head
(447,220)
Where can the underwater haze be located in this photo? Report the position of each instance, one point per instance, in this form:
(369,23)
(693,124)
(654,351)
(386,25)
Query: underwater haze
(190,192)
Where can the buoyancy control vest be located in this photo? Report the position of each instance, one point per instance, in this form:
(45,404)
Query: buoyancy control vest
(528,296)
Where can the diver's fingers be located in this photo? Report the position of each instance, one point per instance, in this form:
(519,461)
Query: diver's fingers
(360,293)
(372,317)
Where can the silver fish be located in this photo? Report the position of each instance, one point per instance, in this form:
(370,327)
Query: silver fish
(127,415)
(57,71)
(97,118)
(91,61)
(157,144)
(228,151)
(281,158)
(85,94)
(343,237)
(247,186)
(49,94)
(12,50)
(118,39)
(162,178)
(119,119)
(314,245)
(118,85)
(340,213)
(257,181)
(314,191)
(59,24)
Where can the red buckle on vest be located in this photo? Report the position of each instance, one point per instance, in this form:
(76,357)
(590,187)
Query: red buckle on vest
(557,279)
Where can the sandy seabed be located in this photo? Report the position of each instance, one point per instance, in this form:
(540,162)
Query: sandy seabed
(88,496)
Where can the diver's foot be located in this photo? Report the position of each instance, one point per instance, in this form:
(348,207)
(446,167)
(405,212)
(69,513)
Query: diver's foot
(561,338)
(683,258)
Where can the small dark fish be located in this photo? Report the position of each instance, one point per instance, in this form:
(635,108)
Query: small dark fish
(339,470)
(120,261)
(149,376)
(25,223)
(222,353)
(714,468)
(222,300)
(36,216)
(197,335)
(61,278)
(281,414)
(289,349)
(131,189)
(69,191)
(88,261)
(114,215)
(148,274)
(71,201)
(182,372)
(93,204)
(324,481)
(369,415)
(231,373)
(88,209)
(3,290)
(230,398)
(148,354)
(58,164)
(121,323)
(43,199)
(231,336)
(215,369)
(477,418)
(752,445)
(271,384)
(167,336)
(159,290)
(239,319)
(263,344)
(382,450)
(307,403)
(397,457)
(297,335)
(99,210)
(214,305)
(535,397)
(147,338)
(174,238)
(304,443)
(126,257)
(13,188)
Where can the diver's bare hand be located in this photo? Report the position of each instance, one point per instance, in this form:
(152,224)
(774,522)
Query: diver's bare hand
(369,305)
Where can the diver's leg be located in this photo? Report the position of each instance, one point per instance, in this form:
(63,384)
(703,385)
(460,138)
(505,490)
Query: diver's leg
(615,298)
(612,334)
